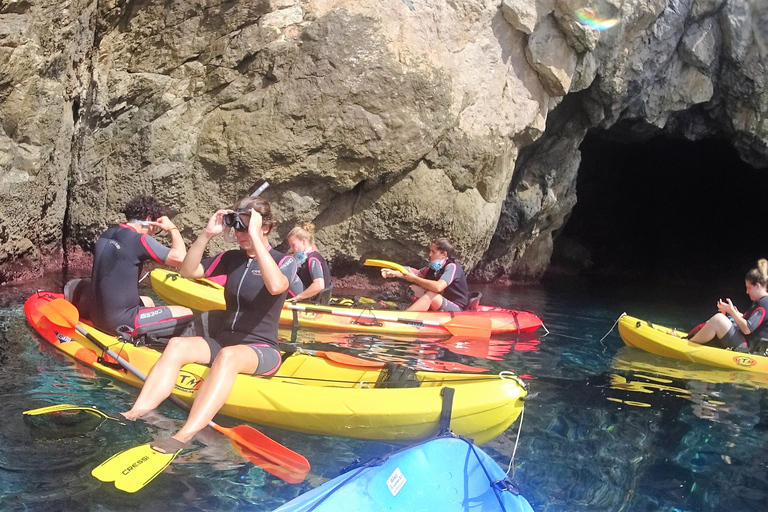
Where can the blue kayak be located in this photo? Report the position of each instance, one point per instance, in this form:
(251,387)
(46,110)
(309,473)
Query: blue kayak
(446,474)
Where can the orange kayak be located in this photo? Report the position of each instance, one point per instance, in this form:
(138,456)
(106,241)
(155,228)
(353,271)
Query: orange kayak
(204,295)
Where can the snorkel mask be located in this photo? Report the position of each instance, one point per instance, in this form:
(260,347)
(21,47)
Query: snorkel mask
(300,257)
(436,265)
(239,220)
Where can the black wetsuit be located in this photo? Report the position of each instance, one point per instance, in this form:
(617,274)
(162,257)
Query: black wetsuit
(314,267)
(252,313)
(757,319)
(114,295)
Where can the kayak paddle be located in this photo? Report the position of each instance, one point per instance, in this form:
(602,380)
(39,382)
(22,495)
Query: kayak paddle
(249,440)
(462,325)
(339,357)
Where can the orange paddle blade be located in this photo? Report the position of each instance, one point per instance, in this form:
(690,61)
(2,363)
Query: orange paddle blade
(469,325)
(250,439)
(61,312)
(349,360)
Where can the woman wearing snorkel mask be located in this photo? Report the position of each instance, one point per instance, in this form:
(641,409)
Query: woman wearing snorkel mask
(441,285)
(240,339)
(313,269)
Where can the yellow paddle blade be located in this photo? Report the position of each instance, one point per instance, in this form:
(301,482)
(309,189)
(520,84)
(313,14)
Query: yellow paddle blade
(386,264)
(133,468)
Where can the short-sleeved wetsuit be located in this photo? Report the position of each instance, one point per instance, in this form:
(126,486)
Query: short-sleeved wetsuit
(314,267)
(757,320)
(114,295)
(252,313)
(456,294)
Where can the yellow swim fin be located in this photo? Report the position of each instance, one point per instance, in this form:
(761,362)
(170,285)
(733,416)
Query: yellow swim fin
(69,408)
(134,468)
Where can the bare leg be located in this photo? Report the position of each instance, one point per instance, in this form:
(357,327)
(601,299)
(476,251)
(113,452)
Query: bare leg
(216,387)
(428,301)
(164,373)
(717,326)
(147,301)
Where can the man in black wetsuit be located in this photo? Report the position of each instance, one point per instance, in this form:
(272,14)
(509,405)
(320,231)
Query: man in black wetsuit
(114,300)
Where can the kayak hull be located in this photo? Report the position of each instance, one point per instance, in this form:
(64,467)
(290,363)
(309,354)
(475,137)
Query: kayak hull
(446,474)
(658,340)
(203,295)
(314,395)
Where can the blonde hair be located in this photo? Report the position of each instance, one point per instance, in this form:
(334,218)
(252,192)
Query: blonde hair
(759,275)
(304,232)
(262,206)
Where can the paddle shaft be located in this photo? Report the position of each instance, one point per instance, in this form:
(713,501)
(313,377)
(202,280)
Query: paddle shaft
(368,316)
(128,366)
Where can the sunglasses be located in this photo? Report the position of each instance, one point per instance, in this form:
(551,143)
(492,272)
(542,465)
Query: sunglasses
(238,219)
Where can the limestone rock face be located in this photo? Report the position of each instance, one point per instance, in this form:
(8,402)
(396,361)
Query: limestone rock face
(384,123)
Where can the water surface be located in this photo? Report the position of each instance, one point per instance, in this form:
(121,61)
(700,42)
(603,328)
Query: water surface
(611,428)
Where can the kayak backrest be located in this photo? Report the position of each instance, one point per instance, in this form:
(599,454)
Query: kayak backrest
(474,301)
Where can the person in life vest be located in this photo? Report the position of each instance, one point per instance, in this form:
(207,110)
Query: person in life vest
(113,301)
(742,331)
(240,339)
(441,285)
(313,269)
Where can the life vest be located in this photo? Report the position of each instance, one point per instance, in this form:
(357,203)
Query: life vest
(456,292)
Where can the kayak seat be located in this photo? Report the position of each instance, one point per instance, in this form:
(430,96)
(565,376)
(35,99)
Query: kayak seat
(324,297)
(474,301)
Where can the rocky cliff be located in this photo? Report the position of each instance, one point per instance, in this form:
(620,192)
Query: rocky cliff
(385,122)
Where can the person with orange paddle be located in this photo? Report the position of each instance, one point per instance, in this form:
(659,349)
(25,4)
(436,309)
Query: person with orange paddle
(441,285)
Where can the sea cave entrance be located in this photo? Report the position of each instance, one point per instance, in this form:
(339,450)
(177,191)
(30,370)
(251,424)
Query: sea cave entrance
(664,209)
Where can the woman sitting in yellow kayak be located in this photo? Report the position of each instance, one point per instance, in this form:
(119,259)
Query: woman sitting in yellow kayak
(244,337)
(441,285)
(747,329)
(313,270)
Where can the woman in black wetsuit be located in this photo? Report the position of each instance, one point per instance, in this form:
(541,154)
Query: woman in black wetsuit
(244,339)
(747,329)
(441,285)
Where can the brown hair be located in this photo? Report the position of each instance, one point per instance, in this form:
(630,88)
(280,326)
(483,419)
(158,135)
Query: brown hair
(445,245)
(759,275)
(262,206)
(304,232)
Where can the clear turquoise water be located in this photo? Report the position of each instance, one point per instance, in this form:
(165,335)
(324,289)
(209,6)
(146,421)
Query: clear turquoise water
(592,440)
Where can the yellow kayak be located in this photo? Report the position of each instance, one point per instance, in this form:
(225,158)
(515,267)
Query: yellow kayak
(661,341)
(315,395)
(205,295)
(644,363)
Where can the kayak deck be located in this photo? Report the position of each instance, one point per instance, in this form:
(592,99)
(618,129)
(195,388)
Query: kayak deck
(659,340)
(446,474)
(311,394)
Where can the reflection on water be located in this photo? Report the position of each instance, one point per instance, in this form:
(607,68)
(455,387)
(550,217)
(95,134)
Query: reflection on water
(610,429)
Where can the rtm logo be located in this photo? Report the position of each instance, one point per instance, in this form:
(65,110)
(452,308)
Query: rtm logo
(135,464)
(62,338)
(188,381)
(744,361)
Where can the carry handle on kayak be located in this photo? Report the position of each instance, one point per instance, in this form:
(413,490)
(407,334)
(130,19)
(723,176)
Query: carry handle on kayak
(463,325)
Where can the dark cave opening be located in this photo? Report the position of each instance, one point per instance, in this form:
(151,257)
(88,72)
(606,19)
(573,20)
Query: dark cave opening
(664,209)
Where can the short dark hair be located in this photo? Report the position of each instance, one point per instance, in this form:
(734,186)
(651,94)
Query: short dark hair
(141,207)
